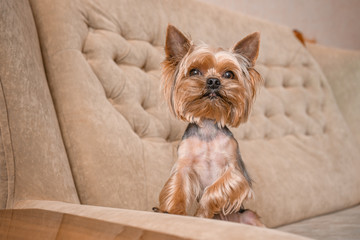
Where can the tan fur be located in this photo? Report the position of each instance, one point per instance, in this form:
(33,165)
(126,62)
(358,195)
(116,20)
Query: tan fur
(225,195)
(247,217)
(179,191)
(182,91)
(207,170)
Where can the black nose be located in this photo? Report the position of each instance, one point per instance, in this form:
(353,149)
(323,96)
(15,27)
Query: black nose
(213,83)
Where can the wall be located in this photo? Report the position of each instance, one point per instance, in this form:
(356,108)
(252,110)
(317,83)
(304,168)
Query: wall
(333,23)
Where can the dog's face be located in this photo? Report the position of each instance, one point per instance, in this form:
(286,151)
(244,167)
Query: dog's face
(201,82)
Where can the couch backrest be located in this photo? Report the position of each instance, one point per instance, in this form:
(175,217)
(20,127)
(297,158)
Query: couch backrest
(342,70)
(102,61)
(33,161)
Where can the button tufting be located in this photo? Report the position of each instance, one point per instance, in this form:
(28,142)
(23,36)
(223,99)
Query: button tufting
(306,64)
(266,136)
(322,84)
(134,76)
(324,129)
(292,81)
(287,114)
(268,113)
(306,83)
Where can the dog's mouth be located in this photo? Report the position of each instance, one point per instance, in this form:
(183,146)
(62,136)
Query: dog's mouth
(212,94)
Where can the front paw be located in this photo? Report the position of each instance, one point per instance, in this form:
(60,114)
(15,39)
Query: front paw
(156,209)
(224,196)
(246,217)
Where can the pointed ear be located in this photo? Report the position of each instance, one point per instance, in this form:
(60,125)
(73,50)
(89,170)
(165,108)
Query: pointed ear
(249,47)
(176,45)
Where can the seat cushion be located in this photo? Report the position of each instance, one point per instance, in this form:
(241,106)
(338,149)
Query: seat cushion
(103,66)
(344,225)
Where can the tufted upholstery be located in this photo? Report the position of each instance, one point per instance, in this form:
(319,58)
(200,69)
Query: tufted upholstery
(102,60)
(345,87)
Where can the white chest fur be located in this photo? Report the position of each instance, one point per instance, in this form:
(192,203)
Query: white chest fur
(209,158)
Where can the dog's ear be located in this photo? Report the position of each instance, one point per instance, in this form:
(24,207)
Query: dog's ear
(176,45)
(249,47)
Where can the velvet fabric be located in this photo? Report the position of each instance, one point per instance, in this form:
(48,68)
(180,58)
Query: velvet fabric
(183,227)
(103,59)
(33,159)
(344,224)
(92,128)
(341,68)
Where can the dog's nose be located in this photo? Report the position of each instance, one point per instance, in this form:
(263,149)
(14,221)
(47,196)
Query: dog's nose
(213,83)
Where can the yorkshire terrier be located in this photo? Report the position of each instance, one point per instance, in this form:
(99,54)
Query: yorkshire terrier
(211,89)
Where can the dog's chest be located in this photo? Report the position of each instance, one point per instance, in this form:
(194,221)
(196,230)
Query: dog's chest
(209,158)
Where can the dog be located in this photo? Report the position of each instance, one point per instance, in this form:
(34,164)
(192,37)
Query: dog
(209,88)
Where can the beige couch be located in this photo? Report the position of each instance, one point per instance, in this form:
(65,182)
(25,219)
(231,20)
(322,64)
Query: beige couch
(84,129)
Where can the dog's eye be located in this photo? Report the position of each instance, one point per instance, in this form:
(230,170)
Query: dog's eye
(228,74)
(194,72)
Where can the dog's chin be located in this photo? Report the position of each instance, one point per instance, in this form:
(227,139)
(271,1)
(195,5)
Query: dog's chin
(211,107)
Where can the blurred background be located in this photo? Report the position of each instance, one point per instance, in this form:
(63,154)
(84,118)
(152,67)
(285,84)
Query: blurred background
(333,23)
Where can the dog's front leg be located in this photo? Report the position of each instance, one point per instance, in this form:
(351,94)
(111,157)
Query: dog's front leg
(180,191)
(225,195)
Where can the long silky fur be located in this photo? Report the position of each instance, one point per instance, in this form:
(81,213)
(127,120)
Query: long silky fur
(182,92)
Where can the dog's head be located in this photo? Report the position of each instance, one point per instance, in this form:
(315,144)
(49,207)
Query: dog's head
(201,82)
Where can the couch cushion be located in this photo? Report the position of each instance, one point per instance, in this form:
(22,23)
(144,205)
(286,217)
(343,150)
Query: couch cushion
(342,69)
(344,225)
(103,59)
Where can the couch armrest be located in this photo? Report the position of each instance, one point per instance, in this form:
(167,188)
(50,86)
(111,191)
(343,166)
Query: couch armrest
(183,227)
(342,69)
(33,159)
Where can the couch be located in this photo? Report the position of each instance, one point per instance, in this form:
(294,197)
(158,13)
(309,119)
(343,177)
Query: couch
(85,131)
